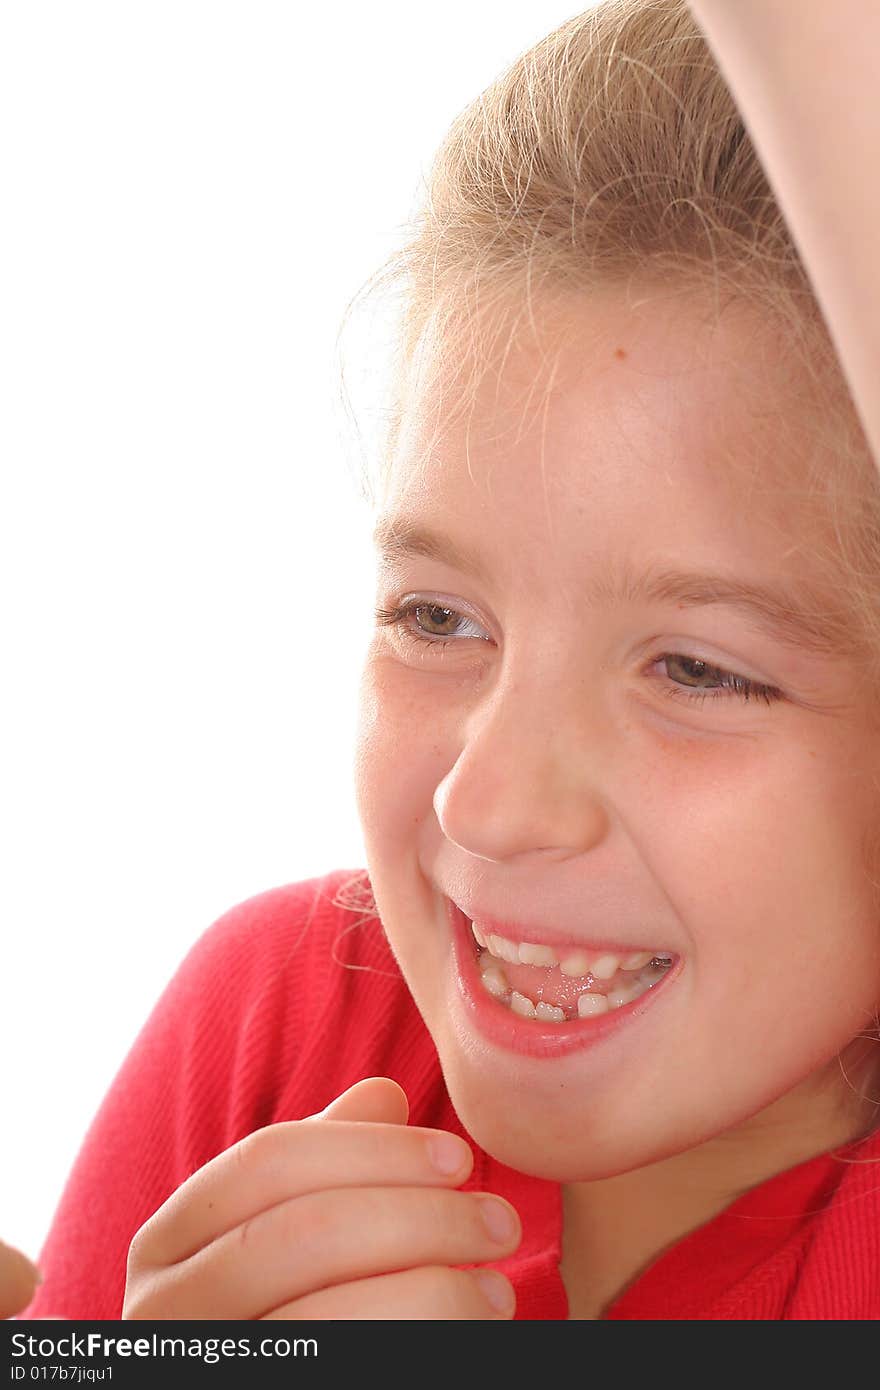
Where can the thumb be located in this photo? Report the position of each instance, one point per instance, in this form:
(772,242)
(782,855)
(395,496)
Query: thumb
(378,1099)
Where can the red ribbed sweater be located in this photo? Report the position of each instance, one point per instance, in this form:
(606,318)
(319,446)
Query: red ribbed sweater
(263,1022)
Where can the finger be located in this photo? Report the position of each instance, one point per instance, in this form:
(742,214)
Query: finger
(288,1160)
(325,1238)
(378,1098)
(431,1291)
(18,1280)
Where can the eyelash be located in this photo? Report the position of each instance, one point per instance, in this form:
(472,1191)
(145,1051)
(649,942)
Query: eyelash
(739,686)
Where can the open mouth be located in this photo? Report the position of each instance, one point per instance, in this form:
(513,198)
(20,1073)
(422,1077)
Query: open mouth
(561,986)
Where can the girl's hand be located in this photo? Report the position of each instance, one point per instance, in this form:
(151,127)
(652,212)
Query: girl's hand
(310,1219)
(18,1281)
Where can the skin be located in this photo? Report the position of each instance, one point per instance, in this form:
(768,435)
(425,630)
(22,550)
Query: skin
(545,767)
(18,1280)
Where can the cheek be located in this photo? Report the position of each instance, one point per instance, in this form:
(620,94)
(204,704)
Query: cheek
(399,753)
(759,848)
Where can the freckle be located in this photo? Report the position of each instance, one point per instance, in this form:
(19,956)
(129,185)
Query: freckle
(620,354)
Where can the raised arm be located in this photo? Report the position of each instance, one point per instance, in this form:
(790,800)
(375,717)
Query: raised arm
(805,75)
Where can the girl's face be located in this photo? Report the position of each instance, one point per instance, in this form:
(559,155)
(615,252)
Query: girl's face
(568,752)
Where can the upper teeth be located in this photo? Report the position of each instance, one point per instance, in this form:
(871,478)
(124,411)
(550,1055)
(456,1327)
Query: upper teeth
(602,965)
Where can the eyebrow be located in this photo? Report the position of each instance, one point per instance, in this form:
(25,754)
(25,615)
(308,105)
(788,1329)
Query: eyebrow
(808,627)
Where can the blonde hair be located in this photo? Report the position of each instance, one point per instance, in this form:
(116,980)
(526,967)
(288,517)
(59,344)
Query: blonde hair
(612,152)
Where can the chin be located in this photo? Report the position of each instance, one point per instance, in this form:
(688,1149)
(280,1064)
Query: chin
(518,1131)
(524,1137)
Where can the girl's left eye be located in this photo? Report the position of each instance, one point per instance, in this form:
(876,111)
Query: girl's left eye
(728,683)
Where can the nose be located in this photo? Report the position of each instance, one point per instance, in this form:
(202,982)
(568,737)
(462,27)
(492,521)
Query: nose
(526,778)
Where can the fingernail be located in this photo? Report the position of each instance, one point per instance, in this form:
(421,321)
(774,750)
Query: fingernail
(496,1290)
(500,1220)
(447,1153)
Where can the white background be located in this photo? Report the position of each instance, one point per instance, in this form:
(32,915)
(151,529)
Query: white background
(192,192)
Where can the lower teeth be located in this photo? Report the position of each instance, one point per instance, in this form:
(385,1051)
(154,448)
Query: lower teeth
(590,1003)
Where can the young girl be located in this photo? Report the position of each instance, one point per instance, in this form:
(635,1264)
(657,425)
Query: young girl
(600,1039)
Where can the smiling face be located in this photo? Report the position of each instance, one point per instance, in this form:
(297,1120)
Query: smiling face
(544,753)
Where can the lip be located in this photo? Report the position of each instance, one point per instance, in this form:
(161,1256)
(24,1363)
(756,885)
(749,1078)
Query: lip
(528,1036)
(537,936)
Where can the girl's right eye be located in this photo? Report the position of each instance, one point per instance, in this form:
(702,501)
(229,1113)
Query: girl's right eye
(398,617)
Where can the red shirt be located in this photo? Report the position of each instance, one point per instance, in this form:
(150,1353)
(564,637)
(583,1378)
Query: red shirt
(264,1022)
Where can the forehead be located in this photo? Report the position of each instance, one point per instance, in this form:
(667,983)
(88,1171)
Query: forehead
(625,432)
(602,381)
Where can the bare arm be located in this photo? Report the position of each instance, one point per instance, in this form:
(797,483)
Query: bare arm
(805,75)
